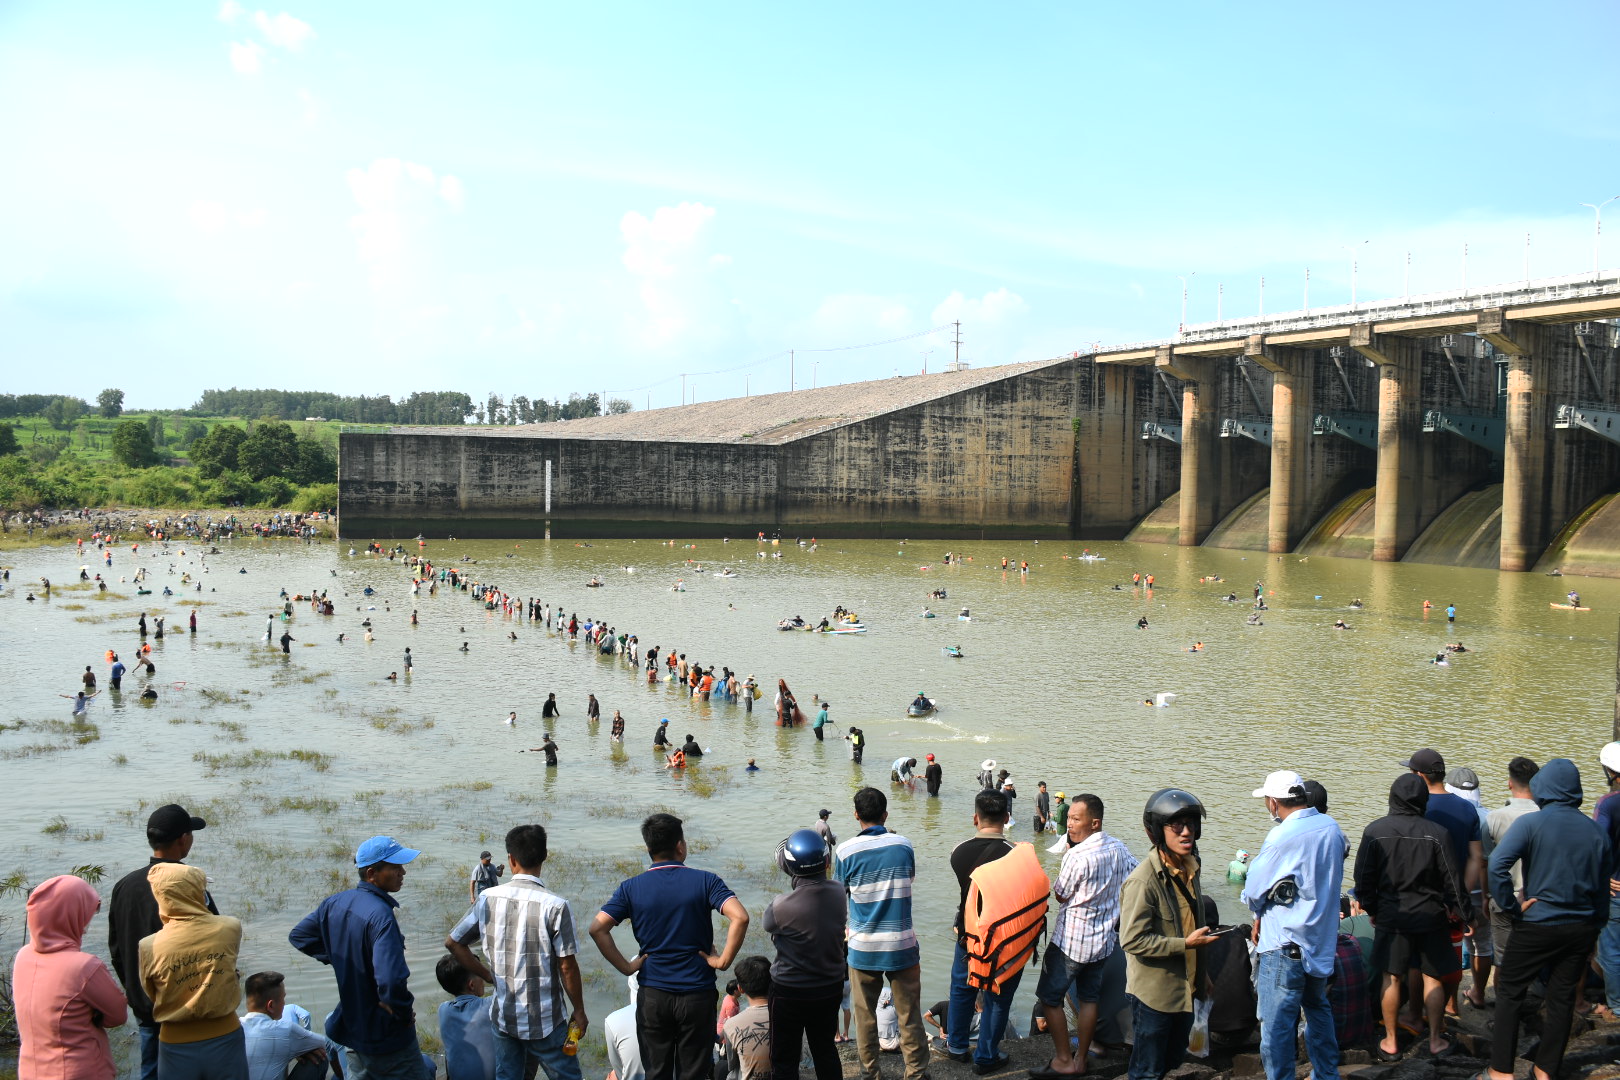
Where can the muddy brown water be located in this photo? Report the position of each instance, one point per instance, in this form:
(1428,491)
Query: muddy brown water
(295,759)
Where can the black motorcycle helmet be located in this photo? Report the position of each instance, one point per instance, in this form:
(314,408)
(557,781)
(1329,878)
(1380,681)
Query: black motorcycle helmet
(1166,805)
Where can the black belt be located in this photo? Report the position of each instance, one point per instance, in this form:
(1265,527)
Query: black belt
(1291,951)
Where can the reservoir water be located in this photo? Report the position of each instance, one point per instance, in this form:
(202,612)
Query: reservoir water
(294,759)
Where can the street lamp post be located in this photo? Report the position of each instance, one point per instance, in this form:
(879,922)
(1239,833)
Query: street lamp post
(1597,227)
(1184,280)
(1354,250)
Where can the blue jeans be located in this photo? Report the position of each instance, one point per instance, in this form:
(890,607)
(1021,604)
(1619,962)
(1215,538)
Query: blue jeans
(1284,989)
(1159,1043)
(149,1051)
(511,1055)
(992,1024)
(1608,955)
(223,1057)
(402,1064)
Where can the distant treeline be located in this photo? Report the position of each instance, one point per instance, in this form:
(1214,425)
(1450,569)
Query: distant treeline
(448,407)
(429,407)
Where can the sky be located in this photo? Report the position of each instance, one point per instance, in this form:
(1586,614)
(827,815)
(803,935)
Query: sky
(544,199)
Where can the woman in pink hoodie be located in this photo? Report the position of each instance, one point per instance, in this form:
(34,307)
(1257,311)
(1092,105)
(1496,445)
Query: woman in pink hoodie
(66,999)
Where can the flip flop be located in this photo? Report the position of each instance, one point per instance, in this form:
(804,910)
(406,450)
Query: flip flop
(1451,1048)
(1046,1072)
(1380,1054)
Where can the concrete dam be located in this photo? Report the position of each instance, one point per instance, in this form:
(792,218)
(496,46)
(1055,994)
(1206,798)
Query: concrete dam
(1477,429)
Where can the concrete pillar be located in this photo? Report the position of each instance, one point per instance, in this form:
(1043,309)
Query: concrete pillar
(1399,362)
(1524,453)
(1292,381)
(1200,430)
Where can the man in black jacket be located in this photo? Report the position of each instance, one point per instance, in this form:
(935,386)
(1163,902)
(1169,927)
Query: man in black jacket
(1407,881)
(132,914)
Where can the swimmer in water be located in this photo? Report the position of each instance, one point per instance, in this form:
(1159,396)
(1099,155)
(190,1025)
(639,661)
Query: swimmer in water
(1340,624)
(465,648)
(1197,646)
(393,676)
(1440,660)
(1142,623)
(511,719)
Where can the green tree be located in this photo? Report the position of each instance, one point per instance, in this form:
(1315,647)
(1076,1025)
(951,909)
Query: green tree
(132,444)
(194,430)
(111,403)
(218,451)
(8,440)
(158,429)
(315,464)
(63,411)
(618,405)
(271,449)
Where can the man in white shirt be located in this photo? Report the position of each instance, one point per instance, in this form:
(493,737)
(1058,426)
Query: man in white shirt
(274,1041)
(623,1050)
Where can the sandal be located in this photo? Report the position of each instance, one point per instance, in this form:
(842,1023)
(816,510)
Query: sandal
(1380,1054)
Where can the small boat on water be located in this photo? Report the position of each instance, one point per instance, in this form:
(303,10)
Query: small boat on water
(1567,607)
(916,709)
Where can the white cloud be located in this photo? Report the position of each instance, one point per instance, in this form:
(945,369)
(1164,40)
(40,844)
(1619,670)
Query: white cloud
(679,281)
(283,30)
(245,57)
(208,216)
(313,107)
(230,11)
(252,219)
(1000,306)
(398,203)
(452,192)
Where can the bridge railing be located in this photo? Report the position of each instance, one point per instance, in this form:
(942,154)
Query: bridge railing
(1546,290)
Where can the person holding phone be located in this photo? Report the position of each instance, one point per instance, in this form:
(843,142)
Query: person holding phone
(1161,931)
(1293,890)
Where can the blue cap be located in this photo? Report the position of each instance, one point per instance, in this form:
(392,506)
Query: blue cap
(383,849)
(664,721)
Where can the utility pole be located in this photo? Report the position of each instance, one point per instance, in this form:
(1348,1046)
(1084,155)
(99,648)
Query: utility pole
(957,359)
(683,388)
(790,372)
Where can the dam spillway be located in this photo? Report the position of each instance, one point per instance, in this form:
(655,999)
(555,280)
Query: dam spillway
(1478,429)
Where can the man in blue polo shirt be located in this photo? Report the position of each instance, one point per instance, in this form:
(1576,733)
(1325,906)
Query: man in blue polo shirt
(668,906)
(877,867)
(357,933)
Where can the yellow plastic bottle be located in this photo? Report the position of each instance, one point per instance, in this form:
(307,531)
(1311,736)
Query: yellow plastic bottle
(571,1047)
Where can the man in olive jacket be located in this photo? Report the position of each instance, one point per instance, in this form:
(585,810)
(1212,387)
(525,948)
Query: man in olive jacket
(1161,930)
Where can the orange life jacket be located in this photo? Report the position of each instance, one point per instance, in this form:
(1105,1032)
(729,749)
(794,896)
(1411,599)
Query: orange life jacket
(1004,916)
(677,760)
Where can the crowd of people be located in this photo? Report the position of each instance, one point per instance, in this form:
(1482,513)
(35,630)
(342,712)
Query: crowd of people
(1528,888)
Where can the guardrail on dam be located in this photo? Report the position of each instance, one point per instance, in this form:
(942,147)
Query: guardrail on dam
(1479,427)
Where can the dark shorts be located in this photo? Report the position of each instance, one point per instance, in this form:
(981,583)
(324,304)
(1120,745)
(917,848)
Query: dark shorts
(1395,951)
(1058,973)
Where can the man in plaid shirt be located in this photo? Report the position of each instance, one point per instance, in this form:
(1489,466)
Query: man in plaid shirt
(528,934)
(1085,934)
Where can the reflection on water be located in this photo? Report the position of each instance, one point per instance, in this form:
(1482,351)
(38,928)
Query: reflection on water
(1051,685)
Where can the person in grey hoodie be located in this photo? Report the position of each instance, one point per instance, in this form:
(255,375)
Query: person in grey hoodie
(806,925)
(1565,859)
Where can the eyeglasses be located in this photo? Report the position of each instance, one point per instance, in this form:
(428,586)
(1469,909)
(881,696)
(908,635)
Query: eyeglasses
(1186,825)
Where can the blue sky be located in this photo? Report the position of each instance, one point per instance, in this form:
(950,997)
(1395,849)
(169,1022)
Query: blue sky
(552,198)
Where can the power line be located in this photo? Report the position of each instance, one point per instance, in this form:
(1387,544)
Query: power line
(778,355)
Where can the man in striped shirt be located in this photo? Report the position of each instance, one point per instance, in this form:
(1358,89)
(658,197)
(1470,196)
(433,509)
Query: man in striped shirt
(877,868)
(528,935)
(1085,934)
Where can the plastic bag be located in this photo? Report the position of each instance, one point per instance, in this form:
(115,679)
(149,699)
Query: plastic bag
(1198,1041)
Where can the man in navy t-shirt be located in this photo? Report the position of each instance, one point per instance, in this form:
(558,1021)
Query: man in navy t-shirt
(668,906)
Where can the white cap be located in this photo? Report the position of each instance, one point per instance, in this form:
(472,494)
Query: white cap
(1283,784)
(1610,756)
